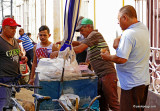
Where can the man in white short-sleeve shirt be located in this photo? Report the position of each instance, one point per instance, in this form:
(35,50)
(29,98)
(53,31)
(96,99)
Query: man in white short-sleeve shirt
(132,60)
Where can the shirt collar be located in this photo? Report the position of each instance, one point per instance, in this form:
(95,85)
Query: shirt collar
(133,25)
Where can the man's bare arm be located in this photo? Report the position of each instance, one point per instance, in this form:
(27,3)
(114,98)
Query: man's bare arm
(75,43)
(80,48)
(116,42)
(106,56)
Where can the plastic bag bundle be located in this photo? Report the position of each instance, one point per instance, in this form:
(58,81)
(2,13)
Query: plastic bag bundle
(52,68)
(69,101)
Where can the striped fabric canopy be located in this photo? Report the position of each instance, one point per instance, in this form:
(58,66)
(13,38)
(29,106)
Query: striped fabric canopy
(71,15)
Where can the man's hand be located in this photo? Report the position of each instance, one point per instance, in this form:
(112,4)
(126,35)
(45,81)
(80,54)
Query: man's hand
(54,54)
(18,40)
(116,42)
(31,81)
(59,42)
(24,59)
(84,63)
(41,57)
(105,55)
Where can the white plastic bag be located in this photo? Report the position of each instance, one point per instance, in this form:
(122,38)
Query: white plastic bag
(69,101)
(52,68)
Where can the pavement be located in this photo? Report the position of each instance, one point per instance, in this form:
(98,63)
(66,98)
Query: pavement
(25,94)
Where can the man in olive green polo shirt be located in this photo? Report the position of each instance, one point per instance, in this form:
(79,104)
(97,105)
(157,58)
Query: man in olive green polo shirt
(105,70)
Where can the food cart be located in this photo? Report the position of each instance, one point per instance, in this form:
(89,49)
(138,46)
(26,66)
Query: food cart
(85,86)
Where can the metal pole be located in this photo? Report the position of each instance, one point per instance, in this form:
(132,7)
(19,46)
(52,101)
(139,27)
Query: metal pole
(94,14)
(158,23)
(2,9)
(150,19)
(123,3)
(36,22)
(142,11)
(153,17)
(45,12)
(11,7)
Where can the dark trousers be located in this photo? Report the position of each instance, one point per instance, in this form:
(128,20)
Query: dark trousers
(29,55)
(134,99)
(107,88)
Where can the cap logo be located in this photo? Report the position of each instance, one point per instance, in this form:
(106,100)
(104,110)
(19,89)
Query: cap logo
(11,22)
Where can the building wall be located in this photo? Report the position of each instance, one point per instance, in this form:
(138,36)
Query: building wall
(50,13)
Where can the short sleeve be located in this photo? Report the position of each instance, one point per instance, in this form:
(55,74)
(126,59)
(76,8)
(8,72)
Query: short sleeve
(124,48)
(92,39)
(23,38)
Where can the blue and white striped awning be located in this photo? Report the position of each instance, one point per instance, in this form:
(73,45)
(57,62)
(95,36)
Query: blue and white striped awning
(71,15)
